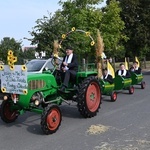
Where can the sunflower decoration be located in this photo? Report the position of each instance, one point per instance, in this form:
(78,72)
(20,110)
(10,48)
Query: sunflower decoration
(63,36)
(87,33)
(10,63)
(14,59)
(9,58)
(10,53)
(1,67)
(12,67)
(92,43)
(23,68)
(25,91)
(3,90)
(73,29)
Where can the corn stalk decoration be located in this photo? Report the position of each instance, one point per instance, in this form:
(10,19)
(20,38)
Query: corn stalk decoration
(55,51)
(99,49)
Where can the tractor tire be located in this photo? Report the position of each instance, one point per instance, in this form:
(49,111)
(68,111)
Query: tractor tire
(51,119)
(143,85)
(89,97)
(131,90)
(8,115)
(113,96)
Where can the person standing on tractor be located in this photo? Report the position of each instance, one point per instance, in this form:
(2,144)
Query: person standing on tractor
(123,72)
(69,68)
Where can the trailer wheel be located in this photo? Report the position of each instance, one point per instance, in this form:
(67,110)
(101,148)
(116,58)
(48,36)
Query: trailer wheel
(8,115)
(89,97)
(131,90)
(51,119)
(143,85)
(113,96)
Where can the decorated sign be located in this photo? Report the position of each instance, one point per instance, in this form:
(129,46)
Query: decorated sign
(14,80)
(13,77)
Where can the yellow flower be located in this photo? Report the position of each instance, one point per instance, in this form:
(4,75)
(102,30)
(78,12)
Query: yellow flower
(25,91)
(3,90)
(9,58)
(10,52)
(73,29)
(12,67)
(92,43)
(14,59)
(10,63)
(87,33)
(1,67)
(24,67)
(63,36)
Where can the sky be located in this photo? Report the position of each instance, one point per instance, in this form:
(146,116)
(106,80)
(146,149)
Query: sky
(17,17)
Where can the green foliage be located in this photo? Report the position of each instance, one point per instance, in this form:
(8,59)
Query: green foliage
(26,55)
(9,44)
(46,31)
(136,15)
(82,15)
(111,28)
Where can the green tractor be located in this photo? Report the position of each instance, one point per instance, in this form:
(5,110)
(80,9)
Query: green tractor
(42,96)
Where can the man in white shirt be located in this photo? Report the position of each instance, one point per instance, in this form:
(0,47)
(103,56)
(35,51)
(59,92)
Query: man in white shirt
(123,72)
(69,68)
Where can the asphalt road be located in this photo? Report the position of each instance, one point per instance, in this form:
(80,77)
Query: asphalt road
(120,125)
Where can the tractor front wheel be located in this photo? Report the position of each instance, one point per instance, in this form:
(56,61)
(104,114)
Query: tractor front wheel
(89,97)
(51,119)
(8,115)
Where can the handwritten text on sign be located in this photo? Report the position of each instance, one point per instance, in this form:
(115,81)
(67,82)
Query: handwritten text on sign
(14,81)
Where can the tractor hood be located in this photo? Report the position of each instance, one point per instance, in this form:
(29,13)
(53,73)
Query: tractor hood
(40,81)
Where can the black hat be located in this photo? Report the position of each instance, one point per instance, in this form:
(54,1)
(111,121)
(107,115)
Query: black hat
(69,48)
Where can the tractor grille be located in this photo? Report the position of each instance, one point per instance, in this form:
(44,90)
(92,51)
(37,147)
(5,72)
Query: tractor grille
(36,84)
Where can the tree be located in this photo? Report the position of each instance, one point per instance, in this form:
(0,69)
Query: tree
(26,55)
(85,16)
(9,44)
(46,31)
(136,15)
(82,15)
(111,28)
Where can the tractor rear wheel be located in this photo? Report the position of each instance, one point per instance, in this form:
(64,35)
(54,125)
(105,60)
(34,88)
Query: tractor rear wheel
(89,97)
(51,119)
(113,96)
(8,115)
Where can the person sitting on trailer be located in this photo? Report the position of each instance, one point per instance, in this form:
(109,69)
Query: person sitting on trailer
(135,68)
(123,72)
(106,76)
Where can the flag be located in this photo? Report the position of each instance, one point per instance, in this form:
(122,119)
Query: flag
(126,64)
(110,69)
(136,59)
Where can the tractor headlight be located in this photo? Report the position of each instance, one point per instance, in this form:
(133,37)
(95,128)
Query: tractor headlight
(37,102)
(5,98)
